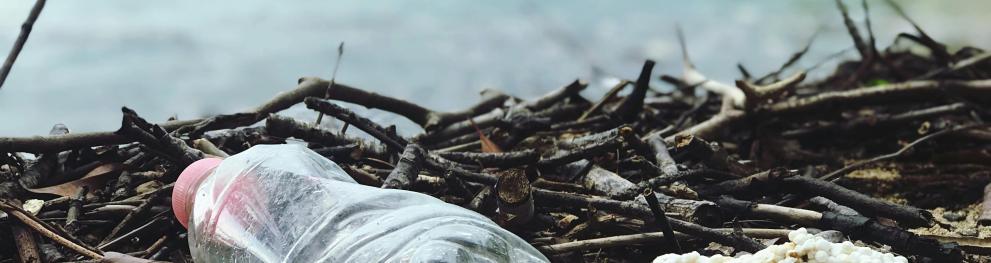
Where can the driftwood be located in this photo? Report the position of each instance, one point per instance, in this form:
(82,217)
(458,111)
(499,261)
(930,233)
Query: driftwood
(407,169)
(514,196)
(581,181)
(855,225)
(499,160)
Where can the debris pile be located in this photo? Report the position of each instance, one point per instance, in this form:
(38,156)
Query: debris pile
(708,167)
(803,247)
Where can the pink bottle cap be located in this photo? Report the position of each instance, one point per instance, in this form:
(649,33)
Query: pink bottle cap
(186,184)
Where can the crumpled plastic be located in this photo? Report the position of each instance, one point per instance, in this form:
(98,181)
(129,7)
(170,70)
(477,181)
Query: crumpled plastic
(286,203)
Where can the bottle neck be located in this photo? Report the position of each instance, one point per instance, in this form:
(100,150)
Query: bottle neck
(189,197)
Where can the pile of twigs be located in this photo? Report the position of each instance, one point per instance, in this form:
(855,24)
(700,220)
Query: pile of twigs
(706,167)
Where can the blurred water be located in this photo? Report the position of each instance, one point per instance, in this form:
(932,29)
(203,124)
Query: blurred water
(189,58)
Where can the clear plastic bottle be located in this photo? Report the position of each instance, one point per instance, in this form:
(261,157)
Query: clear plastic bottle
(286,203)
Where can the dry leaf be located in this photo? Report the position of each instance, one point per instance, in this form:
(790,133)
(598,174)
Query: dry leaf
(487,145)
(93,179)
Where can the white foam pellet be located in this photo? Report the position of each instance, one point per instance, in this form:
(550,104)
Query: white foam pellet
(33,206)
(802,248)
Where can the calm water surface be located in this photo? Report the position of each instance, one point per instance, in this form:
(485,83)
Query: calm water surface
(192,58)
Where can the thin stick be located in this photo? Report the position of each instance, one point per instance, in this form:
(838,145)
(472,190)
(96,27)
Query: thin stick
(346,115)
(938,49)
(21,39)
(791,60)
(684,48)
(633,239)
(832,56)
(155,246)
(872,41)
(835,175)
(858,41)
(43,229)
(333,78)
(125,221)
(605,98)
(956,66)
(661,220)
(153,223)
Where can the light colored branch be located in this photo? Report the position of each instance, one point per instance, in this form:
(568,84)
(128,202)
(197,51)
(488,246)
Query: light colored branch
(713,128)
(904,91)
(693,77)
(626,240)
(44,230)
(756,94)
(209,148)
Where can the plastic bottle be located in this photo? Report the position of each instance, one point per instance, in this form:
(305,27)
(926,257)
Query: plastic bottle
(286,203)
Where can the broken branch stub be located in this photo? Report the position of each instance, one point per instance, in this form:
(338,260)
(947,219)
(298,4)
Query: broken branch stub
(407,169)
(631,106)
(156,137)
(757,95)
(515,196)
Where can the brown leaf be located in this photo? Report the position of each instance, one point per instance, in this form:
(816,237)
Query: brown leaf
(93,179)
(487,145)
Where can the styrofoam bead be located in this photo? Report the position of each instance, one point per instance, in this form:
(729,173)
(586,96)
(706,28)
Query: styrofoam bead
(804,247)
(821,255)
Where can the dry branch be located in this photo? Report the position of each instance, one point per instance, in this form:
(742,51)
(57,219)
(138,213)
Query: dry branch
(631,106)
(858,41)
(366,125)
(565,156)
(903,92)
(640,210)
(499,160)
(21,40)
(661,220)
(408,167)
(48,231)
(514,196)
(27,246)
(156,137)
(645,238)
(426,118)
